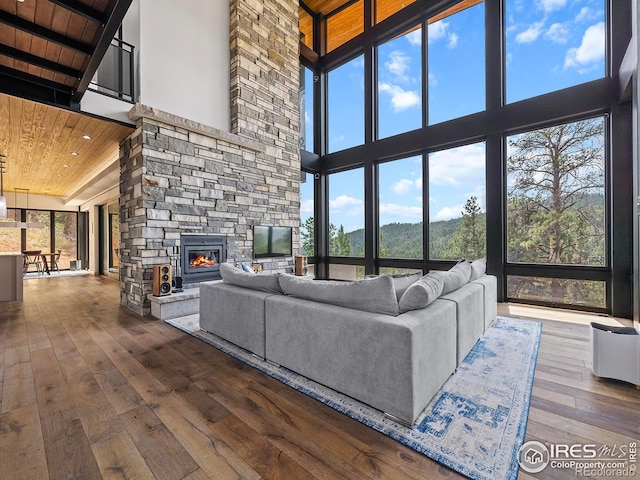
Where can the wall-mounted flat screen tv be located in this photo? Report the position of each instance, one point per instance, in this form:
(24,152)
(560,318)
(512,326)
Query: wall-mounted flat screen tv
(272,241)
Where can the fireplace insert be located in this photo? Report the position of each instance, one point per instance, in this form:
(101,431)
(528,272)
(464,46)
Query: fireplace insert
(201,256)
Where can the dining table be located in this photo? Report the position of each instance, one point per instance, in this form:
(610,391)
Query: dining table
(45,263)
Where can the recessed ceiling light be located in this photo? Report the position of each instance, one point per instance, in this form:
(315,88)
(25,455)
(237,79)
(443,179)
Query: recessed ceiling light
(87,137)
(59,174)
(65,165)
(75,154)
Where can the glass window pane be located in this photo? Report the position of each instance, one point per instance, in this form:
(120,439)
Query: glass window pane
(10,237)
(307,229)
(401,271)
(39,238)
(456,81)
(553,45)
(306,108)
(400,208)
(457,223)
(556,195)
(66,237)
(345,25)
(386,8)
(346,272)
(586,293)
(346,213)
(400,84)
(346,105)
(305,24)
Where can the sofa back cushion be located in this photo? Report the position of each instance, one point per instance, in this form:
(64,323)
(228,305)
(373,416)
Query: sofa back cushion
(375,295)
(422,292)
(265,282)
(455,277)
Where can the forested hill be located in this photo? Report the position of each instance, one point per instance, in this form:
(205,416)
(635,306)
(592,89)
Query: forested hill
(404,240)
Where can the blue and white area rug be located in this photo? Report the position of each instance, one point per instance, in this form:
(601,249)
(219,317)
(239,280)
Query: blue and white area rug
(474,425)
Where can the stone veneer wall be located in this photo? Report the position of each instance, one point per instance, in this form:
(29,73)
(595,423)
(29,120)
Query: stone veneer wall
(178,176)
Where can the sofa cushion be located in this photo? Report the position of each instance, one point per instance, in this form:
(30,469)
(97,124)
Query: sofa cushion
(265,282)
(375,295)
(456,276)
(422,292)
(478,269)
(401,281)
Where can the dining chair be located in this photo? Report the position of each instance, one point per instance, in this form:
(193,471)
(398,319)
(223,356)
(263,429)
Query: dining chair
(54,261)
(32,257)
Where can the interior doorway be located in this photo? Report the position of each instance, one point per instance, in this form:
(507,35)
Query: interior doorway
(110,240)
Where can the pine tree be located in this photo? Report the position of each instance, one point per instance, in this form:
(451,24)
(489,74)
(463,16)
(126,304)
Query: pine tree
(469,240)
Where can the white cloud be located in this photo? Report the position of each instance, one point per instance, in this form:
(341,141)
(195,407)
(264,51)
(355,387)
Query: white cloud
(306,207)
(415,38)
(440,30)
(557,33)
(400,99)
(585,13)
(551,5)
(398,63)
(447,213)
(590,51)
(453,41)
(347,205)
(404,186)
(457,166)
(437,31)
(402,211)
(531,34)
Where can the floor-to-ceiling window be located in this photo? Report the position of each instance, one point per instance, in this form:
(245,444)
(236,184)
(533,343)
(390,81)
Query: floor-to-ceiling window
(478,129)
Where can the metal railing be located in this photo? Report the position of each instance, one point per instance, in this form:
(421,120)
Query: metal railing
(115,75)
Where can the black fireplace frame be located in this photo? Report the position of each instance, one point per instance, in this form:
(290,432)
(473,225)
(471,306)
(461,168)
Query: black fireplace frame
(189,242)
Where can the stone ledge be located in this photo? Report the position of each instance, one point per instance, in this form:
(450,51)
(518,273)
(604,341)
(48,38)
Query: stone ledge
(139,111)
(178,304)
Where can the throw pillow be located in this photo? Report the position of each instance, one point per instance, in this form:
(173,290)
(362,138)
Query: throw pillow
(375,295)
(456,277)
(235,276)
(247,268)
(402,281)
(478,269)
(422,292)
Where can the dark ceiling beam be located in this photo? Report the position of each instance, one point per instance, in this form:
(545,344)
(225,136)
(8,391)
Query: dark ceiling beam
(83,10)
(108,32)
(44,33)
(35,88)
(39,61)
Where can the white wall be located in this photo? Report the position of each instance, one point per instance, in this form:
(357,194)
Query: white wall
(93,207)
(184,59)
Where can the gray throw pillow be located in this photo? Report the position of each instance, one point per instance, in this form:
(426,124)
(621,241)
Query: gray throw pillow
(478,269)
(375,295)
(422,292)
(402,281)
(265,282)
(456,276)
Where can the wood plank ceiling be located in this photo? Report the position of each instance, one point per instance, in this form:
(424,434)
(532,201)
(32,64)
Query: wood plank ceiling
(49,51)
(348,21)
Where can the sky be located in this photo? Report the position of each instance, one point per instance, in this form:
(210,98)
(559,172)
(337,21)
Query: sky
(549,45)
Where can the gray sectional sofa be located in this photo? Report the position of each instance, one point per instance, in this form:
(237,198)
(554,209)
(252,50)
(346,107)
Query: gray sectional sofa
(388,341)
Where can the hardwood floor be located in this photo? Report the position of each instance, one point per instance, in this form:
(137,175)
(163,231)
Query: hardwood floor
(91,390)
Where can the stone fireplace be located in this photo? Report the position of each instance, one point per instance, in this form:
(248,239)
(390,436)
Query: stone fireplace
(200,258)
(179,177)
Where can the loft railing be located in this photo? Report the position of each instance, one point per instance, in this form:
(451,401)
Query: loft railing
(115,75)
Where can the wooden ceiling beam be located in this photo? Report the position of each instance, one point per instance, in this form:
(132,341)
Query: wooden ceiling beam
(44,33)
(38,61)
(83,10)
